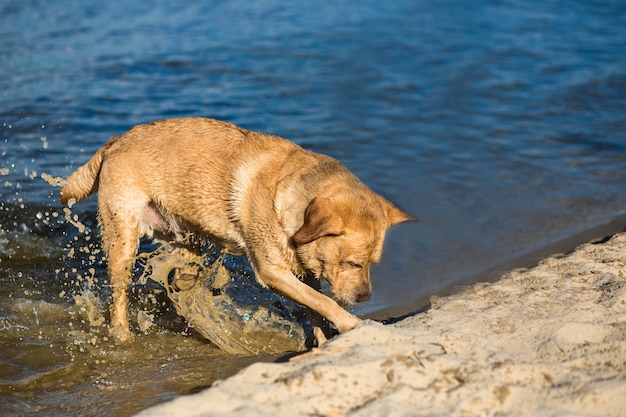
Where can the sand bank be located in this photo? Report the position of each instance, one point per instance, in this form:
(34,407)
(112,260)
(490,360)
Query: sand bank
(550,341)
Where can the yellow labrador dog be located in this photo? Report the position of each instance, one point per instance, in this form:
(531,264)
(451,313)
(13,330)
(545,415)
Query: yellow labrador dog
(299,216)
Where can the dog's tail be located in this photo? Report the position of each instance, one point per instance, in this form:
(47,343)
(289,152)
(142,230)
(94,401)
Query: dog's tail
(84,181)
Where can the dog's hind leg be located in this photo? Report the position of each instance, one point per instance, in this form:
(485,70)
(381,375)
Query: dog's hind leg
(119,223)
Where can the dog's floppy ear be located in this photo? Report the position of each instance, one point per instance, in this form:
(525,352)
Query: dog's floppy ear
(319,220)
(395,215)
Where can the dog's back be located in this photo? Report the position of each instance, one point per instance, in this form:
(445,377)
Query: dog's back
(171,148)
(185,174)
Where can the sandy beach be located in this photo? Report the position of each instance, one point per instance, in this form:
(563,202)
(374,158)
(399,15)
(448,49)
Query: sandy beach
(547,341)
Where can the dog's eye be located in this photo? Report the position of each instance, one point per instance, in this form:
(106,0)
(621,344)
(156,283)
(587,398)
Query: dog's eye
(355,265)
(350,265)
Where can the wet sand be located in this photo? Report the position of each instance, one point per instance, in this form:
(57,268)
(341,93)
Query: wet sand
(548,340)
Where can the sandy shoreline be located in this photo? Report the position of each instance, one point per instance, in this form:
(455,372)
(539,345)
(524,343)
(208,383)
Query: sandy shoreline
(549,340)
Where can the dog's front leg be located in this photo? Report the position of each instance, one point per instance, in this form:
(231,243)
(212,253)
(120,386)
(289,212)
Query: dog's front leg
(284,282)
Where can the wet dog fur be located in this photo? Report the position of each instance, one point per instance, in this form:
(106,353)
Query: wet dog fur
(298,216)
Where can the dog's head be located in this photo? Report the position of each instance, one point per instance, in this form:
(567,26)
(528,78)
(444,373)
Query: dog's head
(341,237)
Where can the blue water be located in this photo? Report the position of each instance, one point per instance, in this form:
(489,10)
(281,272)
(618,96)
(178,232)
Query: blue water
(500,124)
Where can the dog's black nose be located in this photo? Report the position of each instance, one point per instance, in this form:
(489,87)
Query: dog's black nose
(363,297)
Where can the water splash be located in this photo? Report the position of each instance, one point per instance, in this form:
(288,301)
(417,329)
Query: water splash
(53,181)
(226,306)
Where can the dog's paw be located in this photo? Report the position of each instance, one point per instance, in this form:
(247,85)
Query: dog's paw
(320,337)
(348,323)
(120,333)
